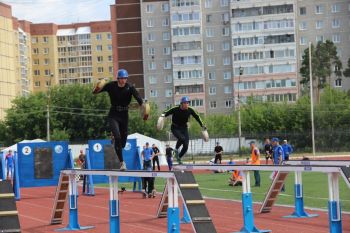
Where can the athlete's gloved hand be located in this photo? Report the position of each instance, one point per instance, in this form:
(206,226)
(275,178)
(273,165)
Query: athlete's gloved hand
(160,123)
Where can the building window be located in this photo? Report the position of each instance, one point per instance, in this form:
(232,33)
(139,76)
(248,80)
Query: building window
(165,7)
(152,80)
(226,45)
(228,103)
(335,23)
(45,39)
(338,82)
(109,47)
(303,25)
(152,65)
(166,50)
(226,31)
(208,4)
(210,47)
(208,18)
(109,36)
(110,58)
(168,93)
(224,3)
(35,61)
(227,75)
(47,72)
(212,104)
(35,50)
(212,90)
(98,37)
(168,79)
(302,10)
(166,35)
(319,9)
(46,50)
(211,76)
(210,32)
(319,24)
(319,38)
(303,40)
(36,72)
(99,59)
(151,51)
(98,47)
(150,37)
(227,61)
(210,61)
(228,89)
(150,23)
(167,65)
(336,38)
(100,69)
(153,93)
(34,40)
(335,8)
(165,22)
(149,8)
(37,83)
(110,69)
(46,61)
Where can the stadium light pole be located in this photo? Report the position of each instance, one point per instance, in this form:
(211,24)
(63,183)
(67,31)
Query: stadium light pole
(239,113)
(48,108)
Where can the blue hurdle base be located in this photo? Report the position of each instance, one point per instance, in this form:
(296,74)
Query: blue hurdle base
(254,230)
(302,215)
(68,228)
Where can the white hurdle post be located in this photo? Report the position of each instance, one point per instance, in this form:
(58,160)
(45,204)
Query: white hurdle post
(173,207)
(299,211)
(334,209)
(247,206)
(73,224)
(114,219)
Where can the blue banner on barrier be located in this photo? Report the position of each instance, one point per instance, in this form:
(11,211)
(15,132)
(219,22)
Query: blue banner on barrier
(40,163)
(97,149)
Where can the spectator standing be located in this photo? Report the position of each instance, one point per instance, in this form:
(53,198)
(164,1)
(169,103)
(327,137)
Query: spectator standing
(278,155)
(155,157)
(268,151)
(287,149)
(9,161)
(81,159)
(255,157)
(218,153)
(148,182)
(169,156)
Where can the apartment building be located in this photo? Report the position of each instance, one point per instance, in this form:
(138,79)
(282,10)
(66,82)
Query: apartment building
(323,20)
(198,48)
(7,59)
(74,53)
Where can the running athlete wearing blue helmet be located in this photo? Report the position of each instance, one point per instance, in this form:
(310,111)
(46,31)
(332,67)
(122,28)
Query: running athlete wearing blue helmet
(180,116)
(120,93)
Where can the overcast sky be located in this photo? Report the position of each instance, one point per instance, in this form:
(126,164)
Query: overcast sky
(60,11)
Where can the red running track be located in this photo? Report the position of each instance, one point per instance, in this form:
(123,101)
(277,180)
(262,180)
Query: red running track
(139,215)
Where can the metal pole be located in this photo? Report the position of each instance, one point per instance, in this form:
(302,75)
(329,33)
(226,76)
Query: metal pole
(48,114)
(239,113)
(312,103)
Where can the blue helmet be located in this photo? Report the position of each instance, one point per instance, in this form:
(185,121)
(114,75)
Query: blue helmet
(122,73)
(185,99)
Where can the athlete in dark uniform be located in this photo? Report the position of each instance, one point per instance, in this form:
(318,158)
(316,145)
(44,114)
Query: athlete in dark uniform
(180,116)
(120,94)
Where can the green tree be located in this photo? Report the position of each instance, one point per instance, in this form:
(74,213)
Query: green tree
(346,72)
(323,57)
